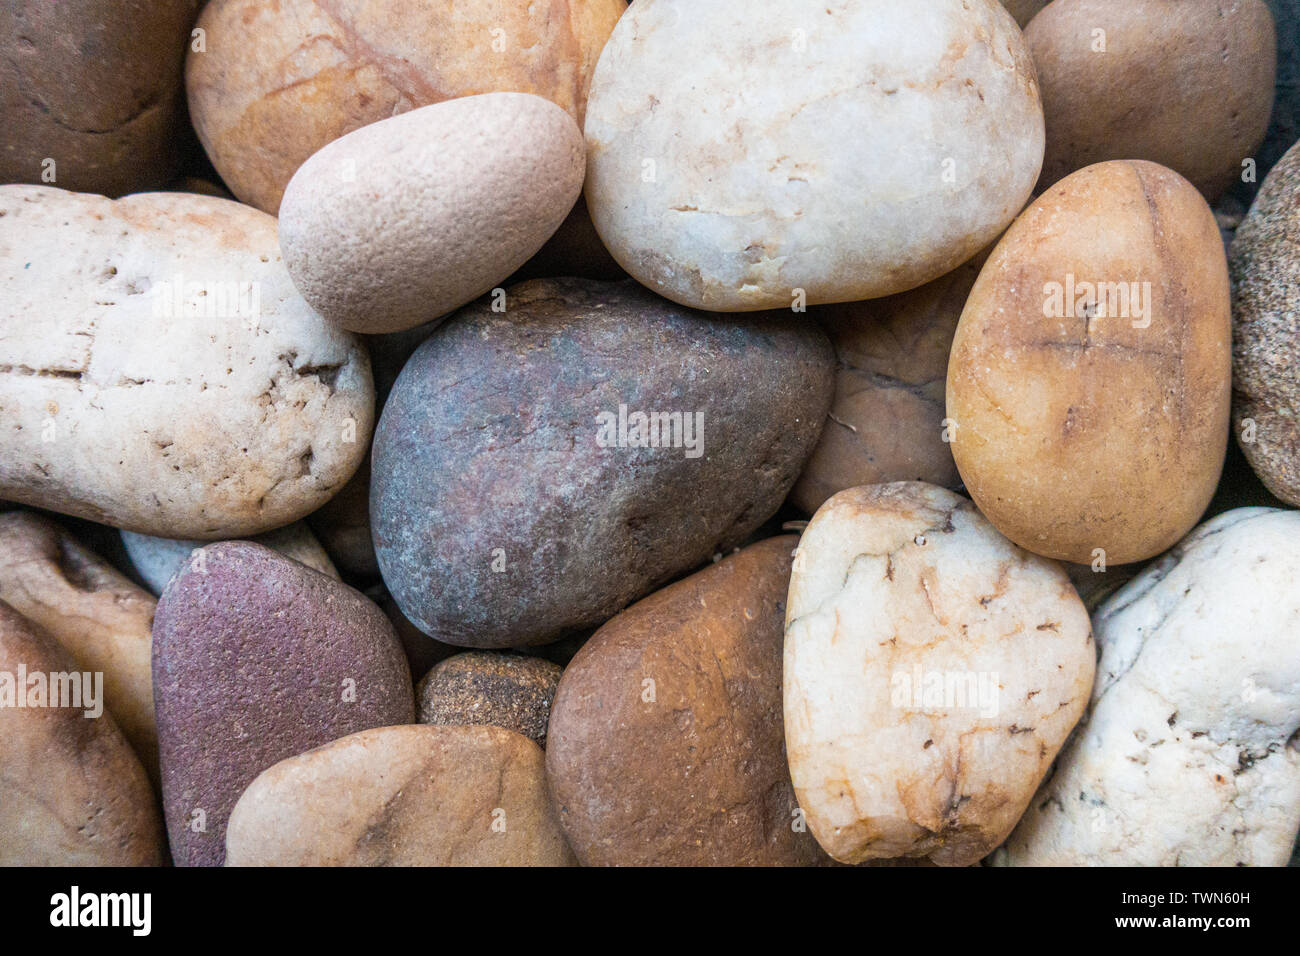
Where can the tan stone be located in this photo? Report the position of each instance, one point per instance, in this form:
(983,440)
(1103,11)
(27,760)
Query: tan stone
(100,617)
(279,81)
(402,796)
(486,687)
(72,792)
(1090,421)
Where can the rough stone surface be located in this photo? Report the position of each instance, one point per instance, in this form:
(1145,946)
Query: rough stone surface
(1189,754)
(740,150)
(189,426)
(72,792)
(666,745)
(886,422)
(484,687)
(932,671)
(1089,422)
(95,86)
(102,619)
(157,560)
(402,796)
(501,521)
(1265,268)
(407,219)
(1187,84)
(281,80)
(258,658)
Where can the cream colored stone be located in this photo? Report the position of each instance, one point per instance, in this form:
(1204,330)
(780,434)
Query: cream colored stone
(402,796)
(156,560)
(740,150)
(1188,755)
(189,426)
(407,219)
(932,670)
(101,618)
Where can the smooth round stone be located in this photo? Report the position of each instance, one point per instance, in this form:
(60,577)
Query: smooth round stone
(239,412)
(402,796)
(743,151)
(512,501)
(93,87)
(1265,268)
(483,687)
(666,746)
(407,219)
(1188,85)
(1091,367)
(157,560)
(99,617)
(886,422)
(1187,756)
(72,792)
(280,81)
(932,671)
(258,658)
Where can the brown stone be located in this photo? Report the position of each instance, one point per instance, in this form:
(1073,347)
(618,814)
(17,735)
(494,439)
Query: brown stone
(666,741)
(485,687)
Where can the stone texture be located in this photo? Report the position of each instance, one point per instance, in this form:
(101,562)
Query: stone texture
(407,219)
(886,422)
(483,687)
(666,746)
(72,792)
(1188,755)
(258,658)
(402,796)
(95,86)
(99,617)
(280,81)
(188,426)
(157,560)
(932,671)
(1265,269)
(1089,423)
(1187,84)
(500,520)
(744,149)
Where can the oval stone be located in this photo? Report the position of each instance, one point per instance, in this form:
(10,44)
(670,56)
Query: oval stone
(538,469)
(665,745)
(1188,754)
(257,658)
(485,687)
(750,154)
(1088,386)
(239,411)
(932,671)
(446,202)
(402,796)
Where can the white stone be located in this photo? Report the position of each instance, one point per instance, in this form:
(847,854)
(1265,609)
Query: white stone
(906,588)
(739,150)
(1188,755)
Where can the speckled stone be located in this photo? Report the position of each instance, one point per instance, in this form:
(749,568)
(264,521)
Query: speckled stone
(483,687)
(1265,266)
(258,658)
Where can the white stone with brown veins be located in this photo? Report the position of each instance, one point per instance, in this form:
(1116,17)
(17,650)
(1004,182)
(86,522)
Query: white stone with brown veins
(932,671)
(1189,754)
